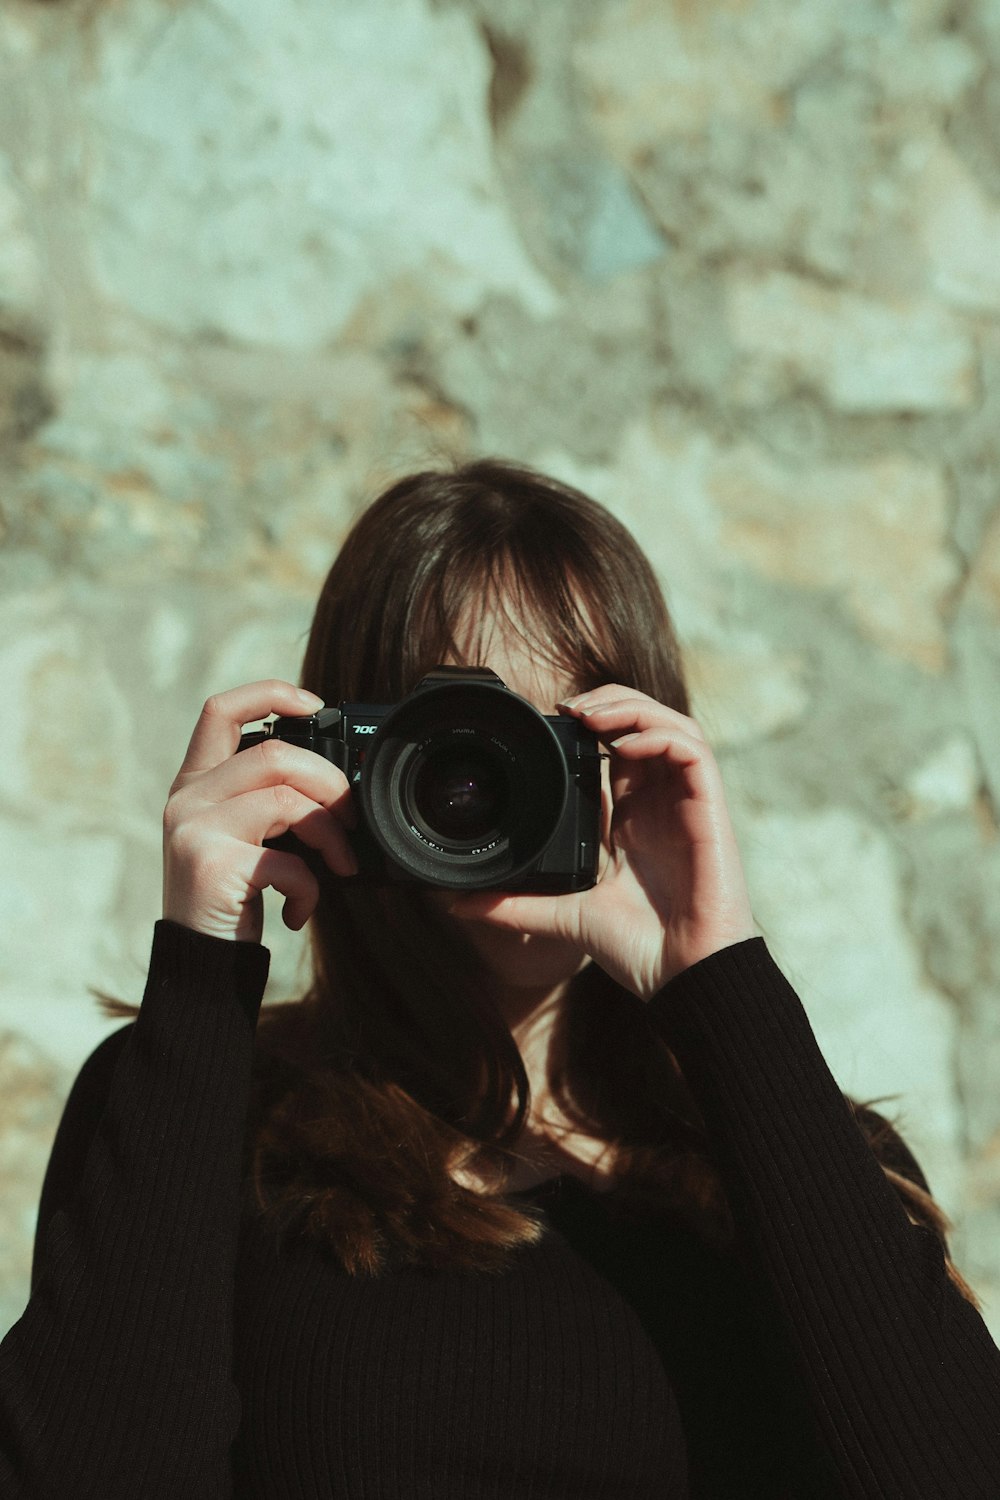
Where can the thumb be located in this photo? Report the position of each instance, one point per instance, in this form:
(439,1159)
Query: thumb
(530,914)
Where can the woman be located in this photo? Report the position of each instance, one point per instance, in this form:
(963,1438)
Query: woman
(529,1195)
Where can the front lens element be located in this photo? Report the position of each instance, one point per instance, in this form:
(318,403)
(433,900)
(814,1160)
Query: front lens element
(460,792)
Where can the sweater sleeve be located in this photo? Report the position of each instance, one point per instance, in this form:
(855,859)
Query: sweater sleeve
(898,1368)
(117,1379)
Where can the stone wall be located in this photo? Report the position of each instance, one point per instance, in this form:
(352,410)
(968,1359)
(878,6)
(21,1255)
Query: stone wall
(731,267)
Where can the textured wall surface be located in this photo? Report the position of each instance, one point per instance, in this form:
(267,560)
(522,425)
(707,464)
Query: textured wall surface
(730,266)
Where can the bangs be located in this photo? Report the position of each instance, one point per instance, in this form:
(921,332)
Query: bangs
(440,560)
(538,595)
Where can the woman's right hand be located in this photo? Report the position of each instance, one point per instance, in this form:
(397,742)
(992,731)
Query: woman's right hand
(222,806)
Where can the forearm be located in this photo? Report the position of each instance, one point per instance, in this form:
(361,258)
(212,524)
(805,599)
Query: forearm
(117,1379)
(902,1374)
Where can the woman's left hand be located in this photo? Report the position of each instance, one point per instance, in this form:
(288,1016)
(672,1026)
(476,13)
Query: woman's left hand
(672,889)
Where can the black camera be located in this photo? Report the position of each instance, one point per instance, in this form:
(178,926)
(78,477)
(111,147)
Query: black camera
(463,784)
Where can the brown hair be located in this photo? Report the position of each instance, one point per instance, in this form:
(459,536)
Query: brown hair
(397,1068)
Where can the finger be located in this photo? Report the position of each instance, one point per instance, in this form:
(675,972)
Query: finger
(217,732)
(608,692)
(634,714)
(680,749)
(681,752)
(605,690)
(535,915)
(271,811)
(287,874)
(275,762)
(613,698)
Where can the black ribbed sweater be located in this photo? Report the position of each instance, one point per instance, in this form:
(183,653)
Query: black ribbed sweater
(169,1351)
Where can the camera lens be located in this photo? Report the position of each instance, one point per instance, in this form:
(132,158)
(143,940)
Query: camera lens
(461,793)
(464,785)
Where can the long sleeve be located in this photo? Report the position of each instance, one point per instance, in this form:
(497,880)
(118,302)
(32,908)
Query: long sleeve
(117,1379)
(899,1370)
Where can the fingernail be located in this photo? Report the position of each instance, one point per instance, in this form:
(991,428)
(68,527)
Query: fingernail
(313,700)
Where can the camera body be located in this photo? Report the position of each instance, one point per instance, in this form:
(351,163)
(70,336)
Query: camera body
(462,785)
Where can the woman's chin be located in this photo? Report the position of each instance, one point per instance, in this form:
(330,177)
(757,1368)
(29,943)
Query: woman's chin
(517,959)
(525,961)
